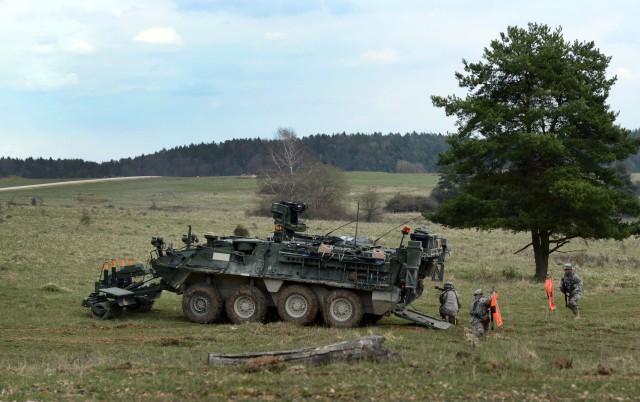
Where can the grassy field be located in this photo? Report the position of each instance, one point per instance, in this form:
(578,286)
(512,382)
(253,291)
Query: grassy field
(54,240)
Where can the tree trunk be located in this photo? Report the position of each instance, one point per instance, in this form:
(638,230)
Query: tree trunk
(365,348)
(540,242)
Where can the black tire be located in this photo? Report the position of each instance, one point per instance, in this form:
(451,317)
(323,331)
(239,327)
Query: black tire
(343,309)
(202,304)
(247,304)
(106,311)
(297,304)
(100,314)
(116,311)
(142,305)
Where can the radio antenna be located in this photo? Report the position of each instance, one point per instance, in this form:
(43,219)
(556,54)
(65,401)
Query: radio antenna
(404,223)
(357,219)
(349,223)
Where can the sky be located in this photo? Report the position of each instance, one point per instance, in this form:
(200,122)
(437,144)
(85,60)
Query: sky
(103,80)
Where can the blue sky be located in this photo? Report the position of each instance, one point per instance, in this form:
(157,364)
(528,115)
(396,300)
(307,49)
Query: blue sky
(109,79)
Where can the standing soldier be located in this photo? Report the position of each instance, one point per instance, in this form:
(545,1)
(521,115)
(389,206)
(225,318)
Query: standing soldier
(449,303)
(572,288)
(479,313)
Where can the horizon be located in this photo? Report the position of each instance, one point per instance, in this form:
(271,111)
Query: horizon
(203,143)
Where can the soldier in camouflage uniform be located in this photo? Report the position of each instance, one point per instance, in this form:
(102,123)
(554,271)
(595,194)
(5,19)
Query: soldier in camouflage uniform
(572,287)
(479,313)
(449,303)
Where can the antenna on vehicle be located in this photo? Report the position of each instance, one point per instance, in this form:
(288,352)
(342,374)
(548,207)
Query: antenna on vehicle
(403,223)
(355,238)
(349,223)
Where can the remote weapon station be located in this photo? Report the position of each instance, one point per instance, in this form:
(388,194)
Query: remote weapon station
(343,281)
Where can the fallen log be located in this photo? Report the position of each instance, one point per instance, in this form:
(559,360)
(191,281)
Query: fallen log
(366,348)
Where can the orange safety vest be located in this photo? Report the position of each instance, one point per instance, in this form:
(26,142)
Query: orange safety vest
(497,318)
(548,285)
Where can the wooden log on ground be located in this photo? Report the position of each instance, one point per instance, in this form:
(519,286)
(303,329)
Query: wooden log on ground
(366,348)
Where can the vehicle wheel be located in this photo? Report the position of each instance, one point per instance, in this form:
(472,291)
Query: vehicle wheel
(202,304)
(342,309)
(297,304)
(106,311)
(142,305)
(100,314)
(116,311)
(247,304)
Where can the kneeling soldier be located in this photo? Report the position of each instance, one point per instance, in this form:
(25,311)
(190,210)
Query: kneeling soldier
(479,313)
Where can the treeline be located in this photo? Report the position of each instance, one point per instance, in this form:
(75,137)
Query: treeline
(377,152)
(411,152)
(364,152)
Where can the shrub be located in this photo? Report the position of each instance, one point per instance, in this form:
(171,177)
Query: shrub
(511,274)
(370,205)
(410,203)
(85,219)
(52,287)
(403,166)
(241,231)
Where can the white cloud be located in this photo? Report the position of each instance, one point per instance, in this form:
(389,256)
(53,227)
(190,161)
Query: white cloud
(43,79)
(44,48)
(159,36)
(81,47)
(273,35)
(624,74)
(386,55)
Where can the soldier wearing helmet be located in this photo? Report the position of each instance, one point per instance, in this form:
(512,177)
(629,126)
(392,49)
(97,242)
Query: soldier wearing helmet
(449,303)
(479,313)
(572,287)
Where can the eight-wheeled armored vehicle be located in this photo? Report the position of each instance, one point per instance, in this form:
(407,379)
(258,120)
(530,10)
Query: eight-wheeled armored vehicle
(343,281)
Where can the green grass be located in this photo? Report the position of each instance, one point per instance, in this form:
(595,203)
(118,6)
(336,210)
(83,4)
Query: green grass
(51,349)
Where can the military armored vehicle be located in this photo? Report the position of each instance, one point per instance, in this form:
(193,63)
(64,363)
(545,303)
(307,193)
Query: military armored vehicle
(305,278)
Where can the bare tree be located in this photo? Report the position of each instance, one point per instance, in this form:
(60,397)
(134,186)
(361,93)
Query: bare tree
(288,165)
(287,152)
(294,175)
(370,204)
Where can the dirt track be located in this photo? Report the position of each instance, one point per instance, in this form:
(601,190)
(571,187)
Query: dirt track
(60,183)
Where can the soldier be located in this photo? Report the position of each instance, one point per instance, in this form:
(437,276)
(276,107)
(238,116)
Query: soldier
(572,287)
(479,313)
(449,303)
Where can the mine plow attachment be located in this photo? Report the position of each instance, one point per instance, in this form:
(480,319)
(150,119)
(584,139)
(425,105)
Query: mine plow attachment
(108,303)
(129,287)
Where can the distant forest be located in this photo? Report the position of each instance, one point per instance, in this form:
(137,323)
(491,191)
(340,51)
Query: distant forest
(350,152)
(411,152)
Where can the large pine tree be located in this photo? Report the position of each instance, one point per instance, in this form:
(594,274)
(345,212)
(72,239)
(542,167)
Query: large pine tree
(539,143)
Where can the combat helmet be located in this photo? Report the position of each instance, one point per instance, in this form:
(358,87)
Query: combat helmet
(568,266)
(478,292)
(448,285)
